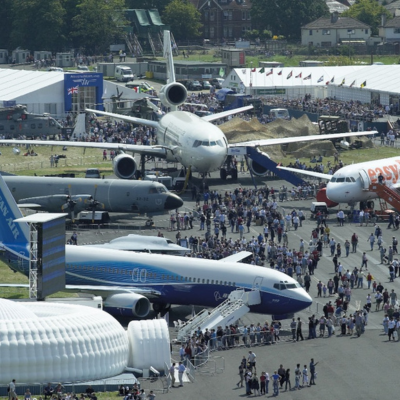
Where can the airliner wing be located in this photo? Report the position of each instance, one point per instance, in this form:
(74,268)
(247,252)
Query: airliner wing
(224,114)
(155,151)
(310,173)
(97,289)
(295,139)
(133,120)
(237,257)
(114,289)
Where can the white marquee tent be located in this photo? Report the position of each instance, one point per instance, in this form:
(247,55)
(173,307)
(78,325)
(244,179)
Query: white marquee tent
(289,82)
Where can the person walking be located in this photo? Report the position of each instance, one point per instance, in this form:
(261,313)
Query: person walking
(241,375)
(297,376)
(172,374)
(299,333)
(12,395)
(275,382)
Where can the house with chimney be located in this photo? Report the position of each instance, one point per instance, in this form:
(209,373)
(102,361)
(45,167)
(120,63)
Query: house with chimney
(328,32)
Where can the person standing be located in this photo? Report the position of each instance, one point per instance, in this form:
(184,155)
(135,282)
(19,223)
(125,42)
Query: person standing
(172,374)
(354,242)
(275,381)
(312,372)
(287,380)
(263,380)
(364,261)
(181,370)
(293,327)
(252,361)
(12,395)
(297,376)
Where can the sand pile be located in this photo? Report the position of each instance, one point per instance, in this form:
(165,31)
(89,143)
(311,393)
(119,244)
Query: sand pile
(238,130)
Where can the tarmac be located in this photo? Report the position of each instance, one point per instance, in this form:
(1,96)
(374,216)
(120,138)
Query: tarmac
(359,368)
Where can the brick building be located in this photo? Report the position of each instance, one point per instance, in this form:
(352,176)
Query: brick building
(224,20)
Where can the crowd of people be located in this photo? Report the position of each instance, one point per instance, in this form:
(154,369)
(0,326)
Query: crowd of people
(260,385)
(346,109)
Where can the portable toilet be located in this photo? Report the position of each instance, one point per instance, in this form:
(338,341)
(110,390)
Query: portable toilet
(64,60)
(42,55)
(3,56)
(20,56)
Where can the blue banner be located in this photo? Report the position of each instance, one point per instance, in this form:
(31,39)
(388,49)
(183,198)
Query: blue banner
(73,83)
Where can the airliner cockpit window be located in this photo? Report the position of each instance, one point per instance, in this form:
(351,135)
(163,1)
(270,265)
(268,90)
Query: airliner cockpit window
(333,180)
(352,179)
(340,180)
(213,143)
(280,286)
(348,180)
(152,190)
(291,286)
(205,143)
(197,143)
(219,143)
(161,189)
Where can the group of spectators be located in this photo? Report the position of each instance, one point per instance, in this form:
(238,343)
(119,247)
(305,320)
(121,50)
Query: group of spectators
(260,385)
(346,109)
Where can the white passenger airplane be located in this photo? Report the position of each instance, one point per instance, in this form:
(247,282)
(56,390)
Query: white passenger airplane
(350,184)
(182,136)
(130,281)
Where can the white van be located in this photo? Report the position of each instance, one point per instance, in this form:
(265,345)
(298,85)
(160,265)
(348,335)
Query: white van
(282,113)
(123,74)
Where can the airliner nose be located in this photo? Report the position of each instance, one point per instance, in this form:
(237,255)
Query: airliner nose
(172,202)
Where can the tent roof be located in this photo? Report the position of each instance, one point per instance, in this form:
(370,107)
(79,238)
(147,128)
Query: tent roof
(16,83)
(383,78)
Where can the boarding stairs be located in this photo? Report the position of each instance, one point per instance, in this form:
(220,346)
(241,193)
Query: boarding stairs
(156,44)
(261,158)
(391,196)
(135,48)
(234,307)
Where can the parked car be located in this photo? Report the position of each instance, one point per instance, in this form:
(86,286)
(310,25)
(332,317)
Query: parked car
(195,85)
(217,82)
(92,173)
(206,85)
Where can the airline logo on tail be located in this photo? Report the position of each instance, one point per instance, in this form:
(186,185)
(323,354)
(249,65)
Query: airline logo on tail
(12,234)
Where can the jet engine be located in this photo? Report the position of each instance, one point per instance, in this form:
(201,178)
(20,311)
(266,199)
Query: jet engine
(127,304)
(173,94)
(124,166)
(256,168)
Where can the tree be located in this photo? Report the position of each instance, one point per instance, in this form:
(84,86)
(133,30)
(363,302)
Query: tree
(183,18)
(97,23)
(37,24)
(6,25)
(369,12)
(286,17)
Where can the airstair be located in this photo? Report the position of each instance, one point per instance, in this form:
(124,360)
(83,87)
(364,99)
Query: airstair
(391,196)
(261,159)
(234,307)
(135,48)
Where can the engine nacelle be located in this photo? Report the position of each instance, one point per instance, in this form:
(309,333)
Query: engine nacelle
(128,304)
(256,168)
(124,166)
(173,94)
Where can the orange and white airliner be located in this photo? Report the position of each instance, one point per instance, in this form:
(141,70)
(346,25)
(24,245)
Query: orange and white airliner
(351,183)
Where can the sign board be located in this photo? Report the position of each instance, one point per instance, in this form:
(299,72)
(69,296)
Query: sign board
(271,91)
(243,44)
(236,151)
(206,76)
(9,103)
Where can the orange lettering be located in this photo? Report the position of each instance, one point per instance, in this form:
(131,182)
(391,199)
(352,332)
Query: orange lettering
(372,175)
(388,174)
(395,173)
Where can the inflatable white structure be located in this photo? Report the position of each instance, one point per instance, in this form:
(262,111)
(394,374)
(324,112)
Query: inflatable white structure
(53,342)
(149,344)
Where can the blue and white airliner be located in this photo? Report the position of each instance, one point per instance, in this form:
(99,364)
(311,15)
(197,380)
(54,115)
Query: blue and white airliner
(129,282)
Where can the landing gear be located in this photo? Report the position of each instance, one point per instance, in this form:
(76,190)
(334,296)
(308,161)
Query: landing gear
(223,174)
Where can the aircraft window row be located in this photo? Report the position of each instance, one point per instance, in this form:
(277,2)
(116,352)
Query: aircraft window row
(339,180)
(153,275)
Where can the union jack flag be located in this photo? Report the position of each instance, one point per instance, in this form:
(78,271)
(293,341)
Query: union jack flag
(73,90)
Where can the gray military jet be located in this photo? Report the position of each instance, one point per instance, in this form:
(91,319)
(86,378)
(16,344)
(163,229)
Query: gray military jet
(72,195)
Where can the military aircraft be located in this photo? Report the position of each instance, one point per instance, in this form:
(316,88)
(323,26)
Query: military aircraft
(16,121)
(72,195)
